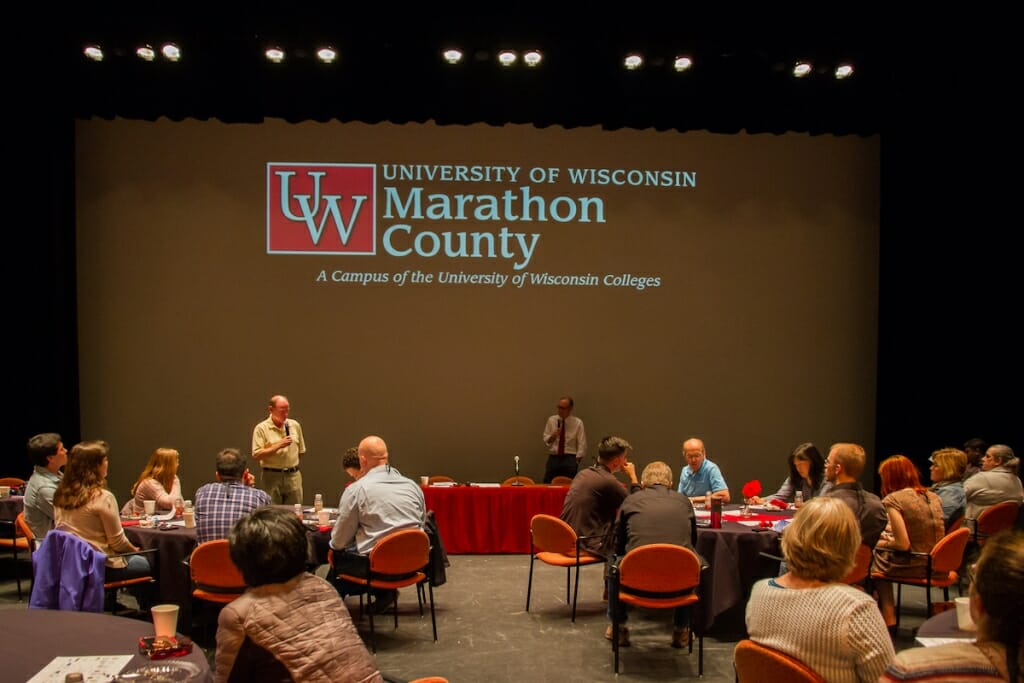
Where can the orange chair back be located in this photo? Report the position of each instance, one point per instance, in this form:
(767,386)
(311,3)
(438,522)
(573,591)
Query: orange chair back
(955,524)
(861,565)
(997,518)
(552,535)
(659,568)
(561,480)
(762,664)
(401,552)
(23,529)
(515,481)
(213,572)
(439,478)
(11,481)
(948,553)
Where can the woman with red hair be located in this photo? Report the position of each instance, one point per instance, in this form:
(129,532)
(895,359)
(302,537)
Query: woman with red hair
(915,524)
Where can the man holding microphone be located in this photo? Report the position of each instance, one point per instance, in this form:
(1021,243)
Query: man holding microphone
(277,444)
(566,441)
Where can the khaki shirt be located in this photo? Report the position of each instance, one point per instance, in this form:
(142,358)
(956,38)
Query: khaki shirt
(267,432)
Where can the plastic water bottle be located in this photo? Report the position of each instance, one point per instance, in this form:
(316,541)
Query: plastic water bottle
(318,503)
(707,501)
(189,515)
(798,499)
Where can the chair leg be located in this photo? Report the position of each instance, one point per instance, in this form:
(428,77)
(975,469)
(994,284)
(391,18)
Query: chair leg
(899,598)
(529,584)
(613,600)
(433,620)
(575,593)
(568,571)
(700,653)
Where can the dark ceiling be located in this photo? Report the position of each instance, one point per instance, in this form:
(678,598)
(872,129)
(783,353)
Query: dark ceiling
(390,69)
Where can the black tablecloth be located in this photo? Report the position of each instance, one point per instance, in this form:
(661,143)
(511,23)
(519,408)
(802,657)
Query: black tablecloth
(174,582)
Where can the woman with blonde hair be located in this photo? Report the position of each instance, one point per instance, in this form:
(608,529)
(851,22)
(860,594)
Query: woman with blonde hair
(947,473)
(808,613)
(158,482)
(996,655)
(915,524)
(84,507)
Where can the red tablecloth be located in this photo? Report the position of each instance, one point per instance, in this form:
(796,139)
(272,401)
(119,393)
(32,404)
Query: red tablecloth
(490,520)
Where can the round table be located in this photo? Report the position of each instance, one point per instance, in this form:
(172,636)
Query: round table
(32,638)
(943,625)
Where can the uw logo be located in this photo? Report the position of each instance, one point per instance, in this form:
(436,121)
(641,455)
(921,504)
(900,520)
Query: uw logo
(321,208)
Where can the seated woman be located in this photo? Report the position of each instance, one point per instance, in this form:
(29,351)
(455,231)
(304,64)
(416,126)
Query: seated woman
(997,482)
(915,524)
(806,474)
(158,481)
(287,618)
(996,588)
(84,507)
(808,613)
(947,471)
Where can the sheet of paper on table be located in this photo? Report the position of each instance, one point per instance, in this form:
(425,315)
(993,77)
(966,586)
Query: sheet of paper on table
(481,483)
(932,642)
(445,484)
(92,668)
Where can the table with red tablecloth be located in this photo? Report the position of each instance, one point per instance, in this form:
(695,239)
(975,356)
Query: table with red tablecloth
(490,519)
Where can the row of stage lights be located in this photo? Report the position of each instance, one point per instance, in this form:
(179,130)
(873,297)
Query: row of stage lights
(506,58)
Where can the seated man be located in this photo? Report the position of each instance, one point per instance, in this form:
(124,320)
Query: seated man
(234,495)
(287,618)
(843,466)
(378,503)
(997,482)
(655,514)
(701,475)
(595,495)
(48,456)
(350,463)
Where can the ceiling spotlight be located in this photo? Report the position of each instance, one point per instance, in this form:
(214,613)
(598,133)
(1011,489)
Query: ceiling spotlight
(532,58)
(327,55)
(507,57)
(452,55)
(93,52)
(275,55)
(633,61)
(682,63)
(801,69)
(844,71)
(145,53)
(171,52)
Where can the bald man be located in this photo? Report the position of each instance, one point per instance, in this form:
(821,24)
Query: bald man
(277,445)
(378,503)
(699,475)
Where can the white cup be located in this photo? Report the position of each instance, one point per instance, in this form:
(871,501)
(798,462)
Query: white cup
(5,491)
(324,517)
(150,506)
(165,620)
(964,622)
(424,481)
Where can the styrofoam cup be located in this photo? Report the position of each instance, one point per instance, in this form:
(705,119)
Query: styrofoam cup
(964,622)
(424,481)
(165,620)
(324,517)
(150,506)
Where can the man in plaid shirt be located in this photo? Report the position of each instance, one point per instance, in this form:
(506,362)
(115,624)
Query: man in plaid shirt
(219,505)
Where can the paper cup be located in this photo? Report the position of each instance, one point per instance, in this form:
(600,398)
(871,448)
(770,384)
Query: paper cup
(424,481)
(150,506)
(5,491)
(165,620)
(324,517)
(964,622)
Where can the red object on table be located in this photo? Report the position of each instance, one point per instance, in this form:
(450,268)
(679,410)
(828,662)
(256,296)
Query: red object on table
(490,519)
(752,488)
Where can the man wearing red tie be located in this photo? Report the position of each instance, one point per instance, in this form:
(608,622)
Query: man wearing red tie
(566,441)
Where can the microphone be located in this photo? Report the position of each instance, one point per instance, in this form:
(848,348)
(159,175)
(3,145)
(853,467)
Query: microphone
(286,433)
(517,465)
(560,423)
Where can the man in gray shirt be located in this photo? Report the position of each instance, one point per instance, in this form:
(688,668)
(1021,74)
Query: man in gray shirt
(48,455)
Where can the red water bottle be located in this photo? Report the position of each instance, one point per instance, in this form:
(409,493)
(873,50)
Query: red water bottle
(716,513)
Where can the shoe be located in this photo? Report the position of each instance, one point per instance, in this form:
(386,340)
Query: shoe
(623,635)
(680,637)
(382,602)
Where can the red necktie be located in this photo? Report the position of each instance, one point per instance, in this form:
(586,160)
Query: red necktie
(561,440)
